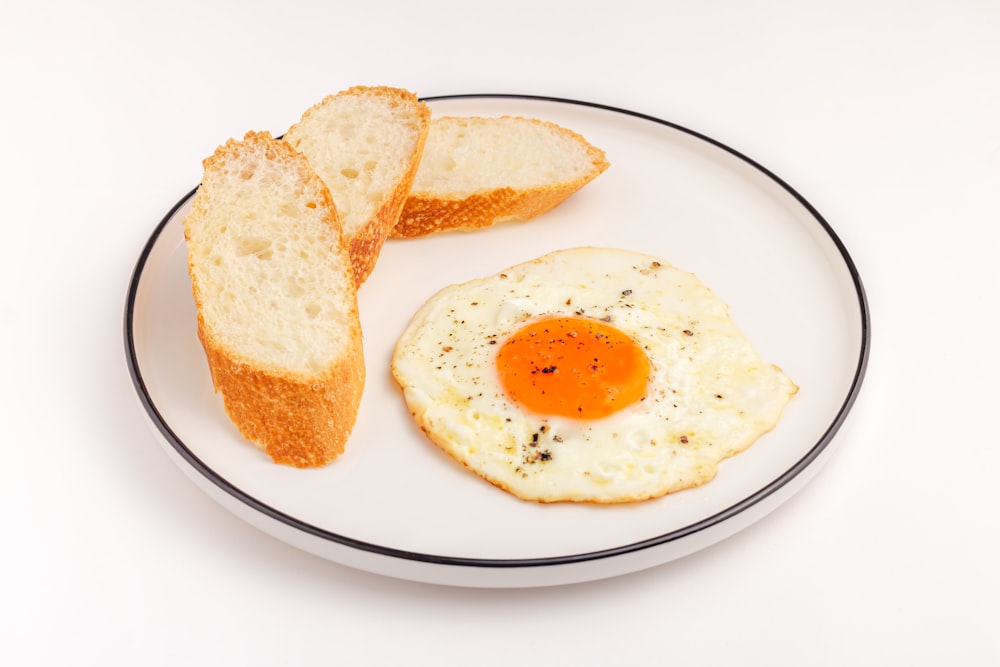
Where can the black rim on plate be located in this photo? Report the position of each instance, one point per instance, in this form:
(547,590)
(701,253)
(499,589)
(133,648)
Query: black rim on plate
(753,499)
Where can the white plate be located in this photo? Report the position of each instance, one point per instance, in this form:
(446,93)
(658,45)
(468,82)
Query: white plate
(395,505)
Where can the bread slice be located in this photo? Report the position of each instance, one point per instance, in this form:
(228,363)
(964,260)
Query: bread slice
(365,143)
(476,172)
(277,305)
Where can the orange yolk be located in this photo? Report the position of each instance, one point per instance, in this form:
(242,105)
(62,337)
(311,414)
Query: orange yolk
(572,367)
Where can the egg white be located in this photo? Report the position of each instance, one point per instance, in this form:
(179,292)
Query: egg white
(710,395)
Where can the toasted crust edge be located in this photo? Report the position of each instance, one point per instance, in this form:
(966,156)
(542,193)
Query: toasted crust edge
(299,421)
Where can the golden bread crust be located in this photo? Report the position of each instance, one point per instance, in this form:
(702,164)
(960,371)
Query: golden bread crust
(297,420)
(365,247)
(426,214)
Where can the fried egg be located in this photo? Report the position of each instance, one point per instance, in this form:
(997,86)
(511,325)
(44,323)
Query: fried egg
(587,375)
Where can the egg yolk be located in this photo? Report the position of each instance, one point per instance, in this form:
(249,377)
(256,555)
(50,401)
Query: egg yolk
(572,367)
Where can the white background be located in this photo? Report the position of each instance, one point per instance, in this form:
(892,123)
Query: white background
(884,115)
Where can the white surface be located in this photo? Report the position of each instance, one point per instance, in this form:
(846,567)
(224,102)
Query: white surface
(722,218)
(883,115)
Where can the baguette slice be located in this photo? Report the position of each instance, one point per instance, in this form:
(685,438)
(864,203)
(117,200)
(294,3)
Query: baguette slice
(277,306)
(365,143)
(477,172)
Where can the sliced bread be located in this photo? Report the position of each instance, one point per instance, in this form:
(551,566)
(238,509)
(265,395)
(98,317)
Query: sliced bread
(476,172)
(365,143)
(276,300)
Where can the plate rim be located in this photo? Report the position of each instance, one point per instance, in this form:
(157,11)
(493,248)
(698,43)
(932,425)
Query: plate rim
(736,509)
